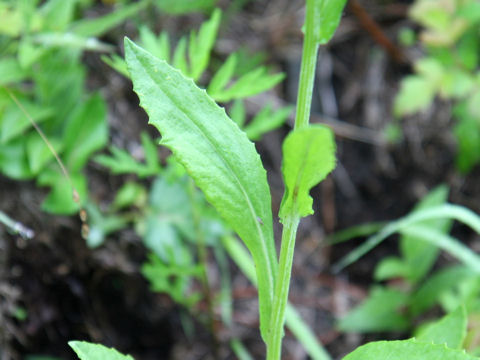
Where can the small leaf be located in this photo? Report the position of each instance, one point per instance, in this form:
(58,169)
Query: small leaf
(201,45)
(89,351)
(308,157)
(178,7)
(450,330)
(407,349)
(379,312)
(129,194)
(99,26)
(326,14)
(222,76)
(267,120)
(179,60)
(416,93)
(237,113)
(218,156)
(60,199)
(85,133)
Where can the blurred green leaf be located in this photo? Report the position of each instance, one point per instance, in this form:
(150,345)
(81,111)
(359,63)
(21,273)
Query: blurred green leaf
(178,7)
(381,311)
(85,133)
(99,26)
(267,120)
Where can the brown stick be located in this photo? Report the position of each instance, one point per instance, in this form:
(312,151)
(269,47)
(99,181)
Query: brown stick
(376,32)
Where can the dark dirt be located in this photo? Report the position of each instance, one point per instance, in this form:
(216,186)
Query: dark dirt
(72,292)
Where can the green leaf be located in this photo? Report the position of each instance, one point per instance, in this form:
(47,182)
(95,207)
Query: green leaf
(450,330)
(60,199)
(101,225)
(218,156)
(38,153)
(117,63)
(89,351)
(70,40)
(158,46)
(57,14)
(436,286)
(237,113)
(267,120)
(222,76)
(129,194)
(406,349)
(419,255)
(178,7)
(381,311)
(308,157)
(252,83)
(14,122)
(85,133)
(416,93)
(391,267)
(179,60)
(99,26)
(13,159)
(201,45)
(327,14)
(467,132)
(10,71)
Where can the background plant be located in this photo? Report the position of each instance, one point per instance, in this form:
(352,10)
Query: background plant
(449,69)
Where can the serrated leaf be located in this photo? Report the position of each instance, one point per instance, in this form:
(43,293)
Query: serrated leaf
(89,351)
(407,349)
(308,157)
(326,14)
(450,330)
(218,156)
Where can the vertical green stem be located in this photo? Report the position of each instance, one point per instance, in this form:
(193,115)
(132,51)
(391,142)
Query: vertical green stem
(290,223)
(307,70)
(274,346)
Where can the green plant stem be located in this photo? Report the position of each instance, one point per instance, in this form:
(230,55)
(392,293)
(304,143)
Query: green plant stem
(274,346)
(290,223)
(307,70)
